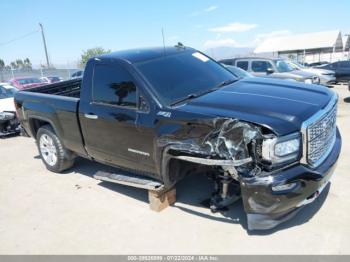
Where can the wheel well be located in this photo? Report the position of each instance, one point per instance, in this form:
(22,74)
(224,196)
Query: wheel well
(35,124)
(178,169)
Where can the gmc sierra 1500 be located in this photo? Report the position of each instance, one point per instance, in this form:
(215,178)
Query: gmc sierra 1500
(162,113)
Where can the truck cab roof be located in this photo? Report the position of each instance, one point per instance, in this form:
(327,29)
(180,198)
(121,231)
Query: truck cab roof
(144,54)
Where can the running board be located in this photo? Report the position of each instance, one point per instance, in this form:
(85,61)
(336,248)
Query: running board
(129,179)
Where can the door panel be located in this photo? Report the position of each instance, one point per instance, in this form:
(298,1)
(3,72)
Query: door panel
(110,122)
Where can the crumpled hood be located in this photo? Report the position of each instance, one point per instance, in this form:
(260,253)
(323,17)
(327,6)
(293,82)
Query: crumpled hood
(279,105)
(7,104)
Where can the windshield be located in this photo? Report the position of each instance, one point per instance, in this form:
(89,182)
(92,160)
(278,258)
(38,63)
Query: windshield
(178,76)
(282,66)
(7,92)
(295,65)
(26,81)
(238,71)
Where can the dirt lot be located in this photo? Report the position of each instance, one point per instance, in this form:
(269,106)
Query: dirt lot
(46,213)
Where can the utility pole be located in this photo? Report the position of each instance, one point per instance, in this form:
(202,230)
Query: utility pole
(44,42)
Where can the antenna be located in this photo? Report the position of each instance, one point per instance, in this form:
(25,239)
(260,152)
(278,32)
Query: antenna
(163,40)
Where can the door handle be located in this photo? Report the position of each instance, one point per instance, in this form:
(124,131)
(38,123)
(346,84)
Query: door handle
(91,116)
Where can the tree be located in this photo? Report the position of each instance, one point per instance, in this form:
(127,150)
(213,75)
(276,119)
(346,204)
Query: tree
(13,65)
(27,64)
(92,52)
(2,64)
(19,63)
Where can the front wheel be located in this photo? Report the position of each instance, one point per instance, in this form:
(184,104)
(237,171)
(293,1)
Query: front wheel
(55,157)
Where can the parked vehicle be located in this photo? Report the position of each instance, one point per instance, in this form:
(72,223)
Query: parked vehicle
(272,68)
(159,114)
(315,64)
(50,79)
(327,77)
(77,74)
(9,124)
(238,71)
(341,69)
(26,82)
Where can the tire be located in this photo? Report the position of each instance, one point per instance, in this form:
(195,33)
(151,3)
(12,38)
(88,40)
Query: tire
(54,155)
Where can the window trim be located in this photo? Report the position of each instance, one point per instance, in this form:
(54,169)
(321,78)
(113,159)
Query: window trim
(242,60)
(93,102)
(261,60)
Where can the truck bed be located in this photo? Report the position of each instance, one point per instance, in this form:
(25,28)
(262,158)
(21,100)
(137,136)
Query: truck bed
(58,105)
(69,88)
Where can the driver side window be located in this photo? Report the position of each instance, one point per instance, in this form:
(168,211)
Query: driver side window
(114,85)
(260,66)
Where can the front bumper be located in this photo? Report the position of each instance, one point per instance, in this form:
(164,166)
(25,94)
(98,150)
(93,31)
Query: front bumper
(266,208)
(327,80)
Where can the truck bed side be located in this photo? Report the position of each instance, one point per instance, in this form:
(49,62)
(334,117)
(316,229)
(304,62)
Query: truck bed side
(37,107)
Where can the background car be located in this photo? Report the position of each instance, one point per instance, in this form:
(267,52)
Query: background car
(77,74)
(8,120)
(327,77)
(50,79)
(26,82)
(272,67)
(238,71)
(341,69)
(317,64)
(7,93)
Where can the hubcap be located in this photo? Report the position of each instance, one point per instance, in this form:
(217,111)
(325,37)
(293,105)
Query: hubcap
(48,150)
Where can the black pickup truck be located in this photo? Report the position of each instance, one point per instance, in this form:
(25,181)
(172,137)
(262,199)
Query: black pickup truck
(162,113)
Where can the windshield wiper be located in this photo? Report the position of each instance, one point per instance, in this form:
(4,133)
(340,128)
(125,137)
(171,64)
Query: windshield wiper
(188,97)
(191,96)
(226,82)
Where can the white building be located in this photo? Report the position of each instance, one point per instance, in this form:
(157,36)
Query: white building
(312,47)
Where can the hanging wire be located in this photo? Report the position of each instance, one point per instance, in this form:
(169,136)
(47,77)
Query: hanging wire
(19,38)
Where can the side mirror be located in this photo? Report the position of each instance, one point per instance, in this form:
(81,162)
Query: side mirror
(269,71)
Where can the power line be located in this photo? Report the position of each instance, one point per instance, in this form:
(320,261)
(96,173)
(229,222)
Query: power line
(19,38)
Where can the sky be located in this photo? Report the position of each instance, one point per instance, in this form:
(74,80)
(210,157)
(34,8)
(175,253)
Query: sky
(73,26)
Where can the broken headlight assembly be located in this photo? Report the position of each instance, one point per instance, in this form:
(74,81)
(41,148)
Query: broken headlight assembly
(5,116)
(282,150)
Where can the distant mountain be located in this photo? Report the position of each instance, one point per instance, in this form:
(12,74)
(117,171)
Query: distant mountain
(228,52)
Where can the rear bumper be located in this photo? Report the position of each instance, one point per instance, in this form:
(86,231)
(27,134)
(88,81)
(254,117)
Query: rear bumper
(266,208)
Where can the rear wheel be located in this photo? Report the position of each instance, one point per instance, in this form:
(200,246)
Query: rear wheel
(55,157)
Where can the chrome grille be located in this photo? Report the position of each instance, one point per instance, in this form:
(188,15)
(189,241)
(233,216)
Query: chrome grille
(321,133)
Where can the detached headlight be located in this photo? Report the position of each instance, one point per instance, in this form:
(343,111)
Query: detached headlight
(284,149)
(2,116)
(6,116)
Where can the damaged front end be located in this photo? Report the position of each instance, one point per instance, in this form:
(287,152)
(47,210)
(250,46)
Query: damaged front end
(9,124)
(244,160)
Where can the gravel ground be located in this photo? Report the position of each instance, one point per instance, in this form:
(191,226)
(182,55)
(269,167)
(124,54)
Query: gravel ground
(72,213)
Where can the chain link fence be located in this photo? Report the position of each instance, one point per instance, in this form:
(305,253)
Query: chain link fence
(6,75)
